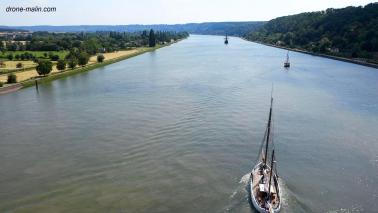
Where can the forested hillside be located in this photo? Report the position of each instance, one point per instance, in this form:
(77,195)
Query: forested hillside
(348,32)
(209,28)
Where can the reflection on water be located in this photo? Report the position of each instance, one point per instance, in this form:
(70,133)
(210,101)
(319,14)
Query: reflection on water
(177,130)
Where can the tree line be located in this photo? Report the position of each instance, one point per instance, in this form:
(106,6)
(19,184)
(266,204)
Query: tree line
(348,32)
(91,42)
(81,46)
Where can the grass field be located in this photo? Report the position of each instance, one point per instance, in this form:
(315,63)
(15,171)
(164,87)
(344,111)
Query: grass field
(12,64)
(32,73)
(38,54)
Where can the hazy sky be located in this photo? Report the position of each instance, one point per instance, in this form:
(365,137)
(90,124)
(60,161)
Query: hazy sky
(117,12)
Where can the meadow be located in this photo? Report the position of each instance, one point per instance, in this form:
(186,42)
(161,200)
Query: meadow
(37,54)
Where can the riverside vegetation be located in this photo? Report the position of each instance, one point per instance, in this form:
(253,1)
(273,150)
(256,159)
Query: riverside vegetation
(350,32)
(68,50)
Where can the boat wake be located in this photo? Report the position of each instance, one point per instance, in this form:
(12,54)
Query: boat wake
(240,199)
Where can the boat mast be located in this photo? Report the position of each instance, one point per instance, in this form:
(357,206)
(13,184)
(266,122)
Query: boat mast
(287,57)
(267,137)
(271,171)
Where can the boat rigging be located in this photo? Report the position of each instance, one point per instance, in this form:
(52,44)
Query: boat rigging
(265,189)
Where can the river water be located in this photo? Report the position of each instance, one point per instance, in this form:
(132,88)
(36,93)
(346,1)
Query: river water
(178,130)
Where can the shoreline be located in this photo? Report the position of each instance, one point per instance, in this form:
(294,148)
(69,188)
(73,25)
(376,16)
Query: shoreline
(54,76)
(353,61)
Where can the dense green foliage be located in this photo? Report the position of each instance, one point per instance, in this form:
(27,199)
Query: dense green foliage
(100,58)
(91,43)
(61,64)
(83,58)
(12,78)
(44,67)
(72,62)
(151,39)
(32,55)
(346,32)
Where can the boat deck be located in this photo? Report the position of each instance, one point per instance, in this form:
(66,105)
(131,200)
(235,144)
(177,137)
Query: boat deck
(260,188)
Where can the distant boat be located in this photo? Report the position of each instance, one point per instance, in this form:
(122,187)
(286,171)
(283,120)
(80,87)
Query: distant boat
(226,40)
(265,190)
(287,62)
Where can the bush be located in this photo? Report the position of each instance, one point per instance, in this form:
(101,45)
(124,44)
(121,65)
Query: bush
(12,78)
(44,67)
(10,57)
(100,58)
(54,57)
(1,84)
(72,63)
(27,56)
(83,58)
(19,65)
(17,57)
(61,65)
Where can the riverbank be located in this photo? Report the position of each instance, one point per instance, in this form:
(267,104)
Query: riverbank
(31,81)
(354,61)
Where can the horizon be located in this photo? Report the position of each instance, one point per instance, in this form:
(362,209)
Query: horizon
(160,12)
(50,25)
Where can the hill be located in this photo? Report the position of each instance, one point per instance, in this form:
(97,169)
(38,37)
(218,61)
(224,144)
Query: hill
(10,30)
(210,28)
(350,32)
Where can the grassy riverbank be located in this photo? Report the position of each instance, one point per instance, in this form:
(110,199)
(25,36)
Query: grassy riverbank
(58,75)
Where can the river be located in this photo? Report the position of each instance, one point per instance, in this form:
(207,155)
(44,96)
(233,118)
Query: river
(178,130)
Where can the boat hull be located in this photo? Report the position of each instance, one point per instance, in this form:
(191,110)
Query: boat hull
(254,200)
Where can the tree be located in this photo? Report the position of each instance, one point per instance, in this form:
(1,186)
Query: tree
(83,58)
(152,39)
(12,78)
(44,67)
(72,63)
(61,65)
(100,58)
(54,57)
(10,57)
(17,56)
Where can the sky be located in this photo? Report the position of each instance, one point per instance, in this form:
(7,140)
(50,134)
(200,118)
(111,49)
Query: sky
(120,12)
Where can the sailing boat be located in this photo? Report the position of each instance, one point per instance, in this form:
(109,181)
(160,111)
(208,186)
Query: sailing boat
(265,190)
(287,62)
(226,40)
